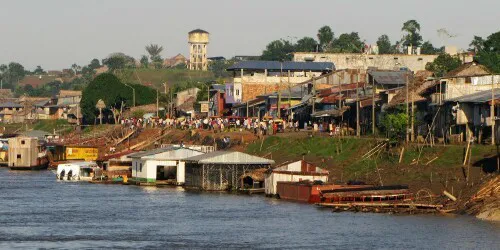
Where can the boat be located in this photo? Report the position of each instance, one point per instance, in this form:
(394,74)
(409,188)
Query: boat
(26,153)
(77,171)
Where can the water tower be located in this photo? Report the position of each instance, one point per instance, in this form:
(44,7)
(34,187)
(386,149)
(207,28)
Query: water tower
(198,41)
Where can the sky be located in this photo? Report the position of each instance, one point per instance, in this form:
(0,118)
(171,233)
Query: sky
(57,33)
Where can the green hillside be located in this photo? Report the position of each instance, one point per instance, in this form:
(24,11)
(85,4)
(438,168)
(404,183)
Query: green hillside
(157,76)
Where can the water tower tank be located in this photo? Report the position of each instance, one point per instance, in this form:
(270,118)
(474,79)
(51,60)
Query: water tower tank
(198,36)
(198,40)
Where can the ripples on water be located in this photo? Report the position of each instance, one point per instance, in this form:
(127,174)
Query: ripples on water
(39,212)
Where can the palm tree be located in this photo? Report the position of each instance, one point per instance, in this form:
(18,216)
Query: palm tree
(154,51)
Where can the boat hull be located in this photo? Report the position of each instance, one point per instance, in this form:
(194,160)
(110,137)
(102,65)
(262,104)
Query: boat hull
(43,163)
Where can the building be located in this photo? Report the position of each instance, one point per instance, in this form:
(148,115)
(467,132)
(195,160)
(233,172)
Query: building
(254,78)
(198,41)
(217,103)
(221,170)
(179,59)
(8,111)
(294,172)
(365,61)
(161,165)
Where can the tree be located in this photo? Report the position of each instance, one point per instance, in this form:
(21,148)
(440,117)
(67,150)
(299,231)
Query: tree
(489,56)
(144,61)
(109,89)
(218,67)
(94,64)
(325,38)
(38,70)
(394,123)
(384,45)
(278,50)
(428,49)
(14,73)
(412,36)
(100,105)
(76,68)
(115,95)
(117,61)
(348,43)
(443,64)
(306,44)
(492,43)
(154,51)
(477,44)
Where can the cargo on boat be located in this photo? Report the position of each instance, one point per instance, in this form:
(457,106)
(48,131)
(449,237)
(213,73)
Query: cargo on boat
(367,194)
(26,153)
(308,191)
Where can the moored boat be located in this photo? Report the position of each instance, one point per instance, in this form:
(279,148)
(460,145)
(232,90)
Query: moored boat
(26,153)
(77,171)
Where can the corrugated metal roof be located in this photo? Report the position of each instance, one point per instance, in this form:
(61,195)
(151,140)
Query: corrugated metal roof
(151,152)
(174,155)
(479,97)
(285,66)
(10,105)
(229,157)
(389,77)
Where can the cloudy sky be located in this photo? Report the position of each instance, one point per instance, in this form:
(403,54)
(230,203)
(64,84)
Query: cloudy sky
(58,33)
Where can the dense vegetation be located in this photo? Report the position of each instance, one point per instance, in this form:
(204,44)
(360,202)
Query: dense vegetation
(116,96)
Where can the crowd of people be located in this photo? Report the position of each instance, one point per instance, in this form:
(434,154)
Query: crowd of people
(257,126)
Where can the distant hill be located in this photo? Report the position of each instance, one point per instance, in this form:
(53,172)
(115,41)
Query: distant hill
(155,77)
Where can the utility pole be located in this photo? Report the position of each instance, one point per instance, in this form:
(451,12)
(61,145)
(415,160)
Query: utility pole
(412,131)
(492,112)
(208,100)
(373,104)
(407,110)
(313,94)
(157,104)
(279,91)
(358,132)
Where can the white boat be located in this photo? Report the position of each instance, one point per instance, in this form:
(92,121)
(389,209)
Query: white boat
(77,171)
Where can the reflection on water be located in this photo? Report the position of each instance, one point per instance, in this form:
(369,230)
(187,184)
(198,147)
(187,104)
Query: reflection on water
(39,212)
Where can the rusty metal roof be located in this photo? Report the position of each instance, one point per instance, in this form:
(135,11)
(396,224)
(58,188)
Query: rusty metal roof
(389,77)
(229,157)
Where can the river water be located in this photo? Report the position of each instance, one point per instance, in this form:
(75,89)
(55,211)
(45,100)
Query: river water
(36,211)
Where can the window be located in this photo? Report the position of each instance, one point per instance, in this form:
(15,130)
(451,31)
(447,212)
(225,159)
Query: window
(18,156)
(22,142)
(237,92)
(140,167)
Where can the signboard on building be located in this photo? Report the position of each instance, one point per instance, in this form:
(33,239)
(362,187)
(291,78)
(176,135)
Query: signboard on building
(81,153)
(204,107)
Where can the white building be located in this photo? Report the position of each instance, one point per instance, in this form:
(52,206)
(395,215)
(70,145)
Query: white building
(295,171)
(162,164)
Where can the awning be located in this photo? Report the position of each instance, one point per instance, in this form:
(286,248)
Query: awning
(330,113)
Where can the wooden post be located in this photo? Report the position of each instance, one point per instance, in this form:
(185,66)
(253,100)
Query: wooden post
(492,112)
(358,132)
(407,109)
(373,105)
